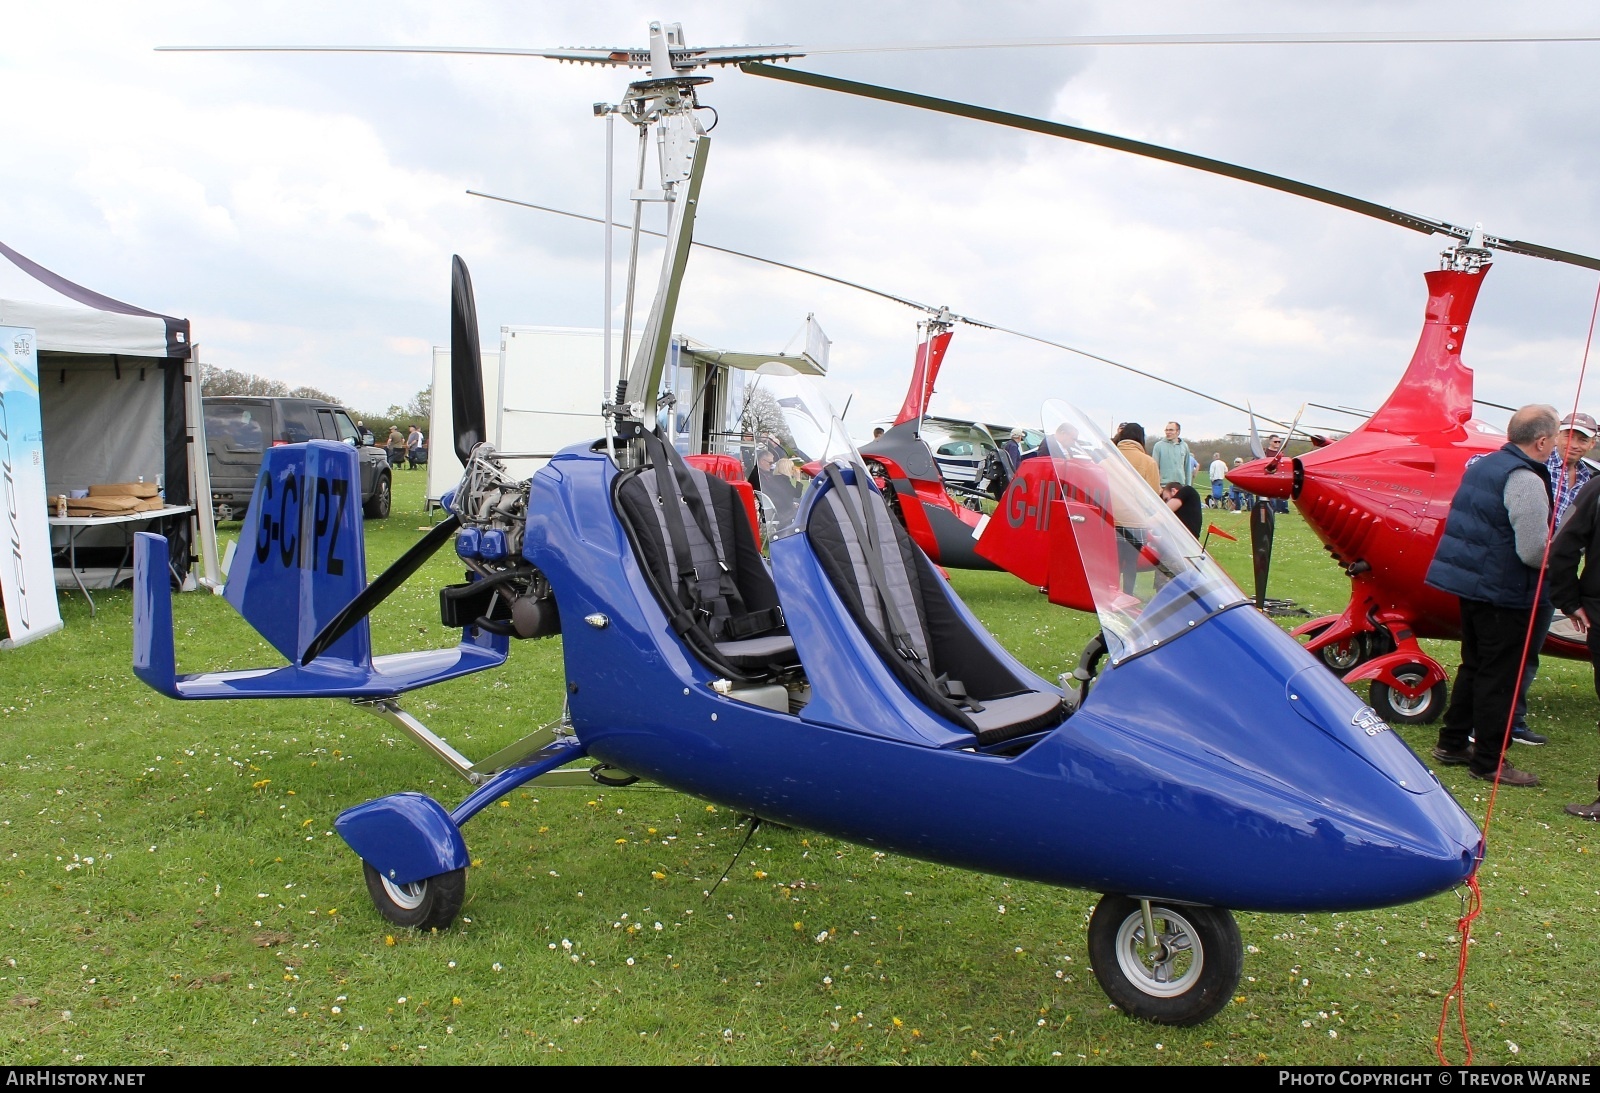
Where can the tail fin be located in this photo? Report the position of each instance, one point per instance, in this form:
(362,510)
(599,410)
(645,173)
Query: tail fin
(1030,532)
(154,661)
(302,557)
(302,560)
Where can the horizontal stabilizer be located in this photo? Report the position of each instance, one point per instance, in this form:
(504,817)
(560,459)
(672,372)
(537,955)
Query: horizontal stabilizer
(303,560)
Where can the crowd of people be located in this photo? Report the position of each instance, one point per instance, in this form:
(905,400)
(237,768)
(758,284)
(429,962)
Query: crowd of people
(410,449)
(1517,549)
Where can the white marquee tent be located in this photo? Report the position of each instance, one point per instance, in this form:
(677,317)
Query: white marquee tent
(119,399)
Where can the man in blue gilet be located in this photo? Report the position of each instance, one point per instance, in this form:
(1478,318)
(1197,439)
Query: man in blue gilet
(1490,556)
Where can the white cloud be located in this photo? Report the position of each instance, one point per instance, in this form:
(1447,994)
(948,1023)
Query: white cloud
(302,210)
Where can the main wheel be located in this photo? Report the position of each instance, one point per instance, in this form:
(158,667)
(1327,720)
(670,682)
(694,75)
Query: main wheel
(1342,656)
(432,903)
(1187,979)
(377,507)
(1397,709)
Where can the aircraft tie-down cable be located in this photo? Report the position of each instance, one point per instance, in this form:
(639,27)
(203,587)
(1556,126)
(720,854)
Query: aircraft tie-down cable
(755,822)
(1473,899)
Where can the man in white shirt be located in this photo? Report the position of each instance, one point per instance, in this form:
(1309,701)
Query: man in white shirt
(1217,472)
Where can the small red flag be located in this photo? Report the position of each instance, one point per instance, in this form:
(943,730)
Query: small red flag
(1214,530)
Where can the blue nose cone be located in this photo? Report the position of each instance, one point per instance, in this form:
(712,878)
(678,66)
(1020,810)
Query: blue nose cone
(1280,792)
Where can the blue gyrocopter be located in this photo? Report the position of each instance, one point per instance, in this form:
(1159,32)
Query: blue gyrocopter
(842,686)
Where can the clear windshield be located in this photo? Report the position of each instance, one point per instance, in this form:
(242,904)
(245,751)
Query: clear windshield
(1147,575)
(797,434)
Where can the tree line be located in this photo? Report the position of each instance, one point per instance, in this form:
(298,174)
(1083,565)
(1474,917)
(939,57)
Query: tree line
(229,381)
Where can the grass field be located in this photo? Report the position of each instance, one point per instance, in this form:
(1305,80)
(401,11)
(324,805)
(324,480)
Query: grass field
(173,891)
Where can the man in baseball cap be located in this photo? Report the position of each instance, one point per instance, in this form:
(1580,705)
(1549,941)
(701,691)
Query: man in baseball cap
(1569,473)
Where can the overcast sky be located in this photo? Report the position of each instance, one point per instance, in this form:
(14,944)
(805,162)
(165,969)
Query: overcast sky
(302,210)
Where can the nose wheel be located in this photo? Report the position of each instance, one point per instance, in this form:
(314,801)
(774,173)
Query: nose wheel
(431,903)
(1166,965)
(1400,709)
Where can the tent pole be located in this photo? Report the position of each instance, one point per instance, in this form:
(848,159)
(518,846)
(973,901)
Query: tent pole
(205,523)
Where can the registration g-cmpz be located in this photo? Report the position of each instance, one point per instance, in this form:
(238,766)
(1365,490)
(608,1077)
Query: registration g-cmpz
(301,519)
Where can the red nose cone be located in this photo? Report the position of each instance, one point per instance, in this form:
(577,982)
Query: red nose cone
(1261,478)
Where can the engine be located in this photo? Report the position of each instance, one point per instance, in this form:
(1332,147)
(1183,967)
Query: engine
(503,593)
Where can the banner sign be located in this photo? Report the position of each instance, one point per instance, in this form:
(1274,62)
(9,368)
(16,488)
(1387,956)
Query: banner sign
(27,577)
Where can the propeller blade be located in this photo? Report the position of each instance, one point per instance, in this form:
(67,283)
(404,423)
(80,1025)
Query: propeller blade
(1293,425)
(1255,437)
(1423,224)
(376,592)
(1263,522)
(466,363)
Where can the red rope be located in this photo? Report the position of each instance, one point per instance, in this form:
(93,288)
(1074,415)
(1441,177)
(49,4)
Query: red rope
(1474,899)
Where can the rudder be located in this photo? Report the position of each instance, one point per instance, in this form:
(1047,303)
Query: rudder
(302,550)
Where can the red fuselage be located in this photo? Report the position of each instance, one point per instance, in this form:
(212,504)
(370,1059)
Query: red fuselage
(1378,498)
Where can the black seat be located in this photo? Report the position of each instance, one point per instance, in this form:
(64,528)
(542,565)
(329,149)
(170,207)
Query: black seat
(694,543)
(897,599)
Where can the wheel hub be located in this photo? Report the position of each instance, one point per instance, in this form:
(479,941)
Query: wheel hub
(1407,704)
(1175,963)
(408,897)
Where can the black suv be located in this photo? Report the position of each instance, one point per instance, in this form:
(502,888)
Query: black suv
(240,428)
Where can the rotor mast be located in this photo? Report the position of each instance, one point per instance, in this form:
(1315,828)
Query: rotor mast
(1470,255)
(663,106)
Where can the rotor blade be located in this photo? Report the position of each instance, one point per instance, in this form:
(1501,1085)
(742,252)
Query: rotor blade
(1567,257)
(1355,411)
(596,56)
(1255,437)
(722,250)
(466,363)
(684,58)
(1119,365)
(631,57)
(1327,38)
(1423,224)
(897,299)
(376,592)
(1341,409)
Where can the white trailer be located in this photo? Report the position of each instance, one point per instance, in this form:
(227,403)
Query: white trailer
(544,389)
